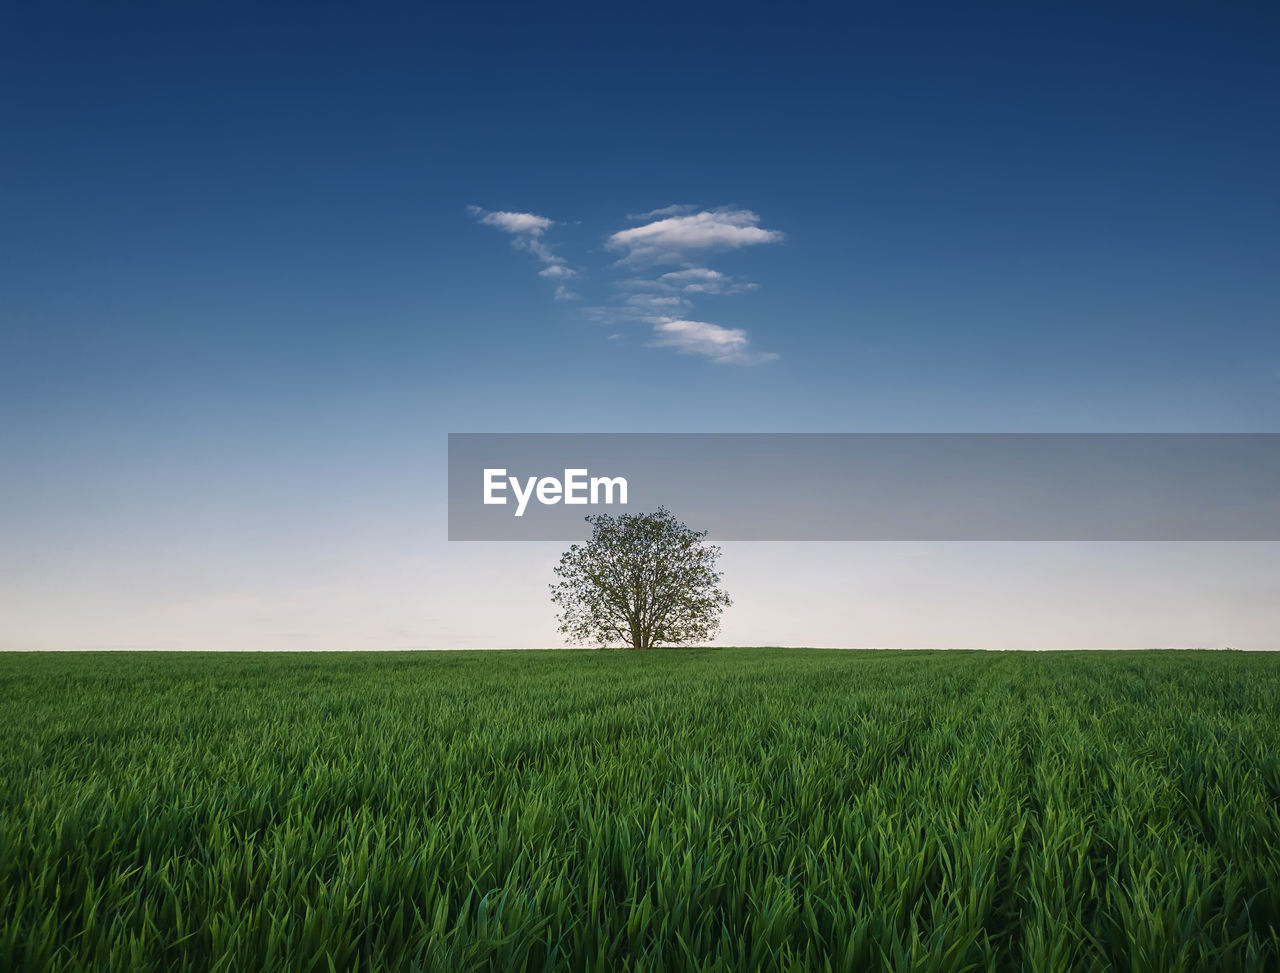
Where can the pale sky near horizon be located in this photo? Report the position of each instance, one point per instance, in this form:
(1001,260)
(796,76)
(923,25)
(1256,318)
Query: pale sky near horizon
(257,265)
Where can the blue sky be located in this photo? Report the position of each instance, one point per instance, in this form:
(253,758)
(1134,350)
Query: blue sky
(243,294)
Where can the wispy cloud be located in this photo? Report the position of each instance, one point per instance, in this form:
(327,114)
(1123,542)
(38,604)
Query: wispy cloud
(663,301)
(657,303)
(677,209)
(721,345)
(693,274)
(529,223)
(694,281)
(557,272)
(526,230)
(703,280)
(673,238)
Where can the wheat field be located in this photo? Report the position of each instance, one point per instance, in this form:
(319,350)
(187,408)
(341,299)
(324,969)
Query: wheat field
(726,809)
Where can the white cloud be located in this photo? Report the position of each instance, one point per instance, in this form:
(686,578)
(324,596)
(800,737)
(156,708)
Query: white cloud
(703,280)
(537,248)
(508,222)
(670,239)
(558,272)
(661,301)
(693,281)
(721,345)
(643,306)
(658,303)
(692,274)
(526,230)
(674,210)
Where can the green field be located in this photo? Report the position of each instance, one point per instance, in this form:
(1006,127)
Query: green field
(700,809)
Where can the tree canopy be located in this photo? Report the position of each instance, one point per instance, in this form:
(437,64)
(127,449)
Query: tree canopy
(642,580)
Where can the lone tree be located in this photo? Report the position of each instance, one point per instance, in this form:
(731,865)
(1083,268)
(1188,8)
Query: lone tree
(642,580)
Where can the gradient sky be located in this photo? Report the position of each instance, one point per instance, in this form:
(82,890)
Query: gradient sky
(255,265)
